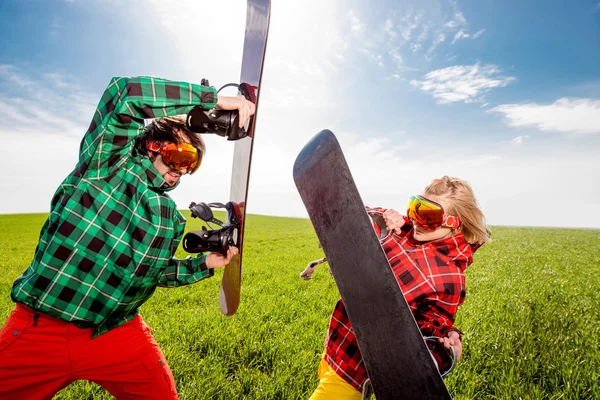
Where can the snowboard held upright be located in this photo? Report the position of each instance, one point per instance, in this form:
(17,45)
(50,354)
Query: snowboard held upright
(255,42)
(396,357)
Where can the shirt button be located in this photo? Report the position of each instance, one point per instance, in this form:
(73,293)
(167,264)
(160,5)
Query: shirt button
(15,332)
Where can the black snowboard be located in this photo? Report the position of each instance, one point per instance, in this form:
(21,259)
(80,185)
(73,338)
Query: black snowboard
(255,43)
(396,357)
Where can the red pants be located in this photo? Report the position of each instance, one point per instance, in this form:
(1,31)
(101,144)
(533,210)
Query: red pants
(39,358)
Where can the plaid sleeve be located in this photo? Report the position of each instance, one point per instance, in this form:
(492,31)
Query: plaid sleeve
(436,302)
(184,272)
(436,322)
(181,272)
(119,117)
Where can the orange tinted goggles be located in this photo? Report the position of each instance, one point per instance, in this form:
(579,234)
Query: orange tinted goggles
(429,214)
(181,156)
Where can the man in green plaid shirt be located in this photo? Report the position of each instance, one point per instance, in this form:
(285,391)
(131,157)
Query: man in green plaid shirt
(108,242)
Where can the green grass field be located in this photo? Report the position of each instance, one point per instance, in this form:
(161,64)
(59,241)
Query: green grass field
(531,319)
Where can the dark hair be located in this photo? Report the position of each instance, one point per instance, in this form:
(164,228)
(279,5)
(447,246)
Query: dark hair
(168,129)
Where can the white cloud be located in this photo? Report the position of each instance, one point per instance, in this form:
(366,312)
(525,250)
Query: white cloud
(389,28)
(375,42)
(14,76)
(428,28)
(409,23)
(564,115)
(44,104)
(415,47)
(396,57)
(372,56)
(458,20)
(518,141)
(477,34)
(61,81)
(356,24)
(461,34)
(424,33)
(439,39)
(462,83)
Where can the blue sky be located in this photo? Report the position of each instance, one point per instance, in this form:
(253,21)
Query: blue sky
(505,94)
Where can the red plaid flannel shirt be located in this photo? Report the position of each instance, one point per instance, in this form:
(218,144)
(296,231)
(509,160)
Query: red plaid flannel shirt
(431,277)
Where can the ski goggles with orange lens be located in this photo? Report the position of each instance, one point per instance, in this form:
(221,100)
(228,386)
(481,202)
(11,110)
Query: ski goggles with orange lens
(429,214)
(179,156)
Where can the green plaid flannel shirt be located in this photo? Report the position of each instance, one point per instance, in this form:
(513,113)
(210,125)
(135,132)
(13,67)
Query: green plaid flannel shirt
(112,232)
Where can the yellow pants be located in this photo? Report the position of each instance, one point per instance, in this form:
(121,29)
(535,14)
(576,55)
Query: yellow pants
(332,386)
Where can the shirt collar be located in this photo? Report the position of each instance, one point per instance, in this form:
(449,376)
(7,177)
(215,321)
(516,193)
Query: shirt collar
(154,179)
(454,247)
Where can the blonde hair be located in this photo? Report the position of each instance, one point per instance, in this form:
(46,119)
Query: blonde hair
(457,198)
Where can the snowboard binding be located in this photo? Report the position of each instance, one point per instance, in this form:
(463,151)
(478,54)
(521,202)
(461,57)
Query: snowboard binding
(448,357)
(224,123)
(214,240)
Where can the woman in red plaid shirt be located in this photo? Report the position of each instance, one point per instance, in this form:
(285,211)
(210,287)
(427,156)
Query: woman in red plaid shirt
(428,250)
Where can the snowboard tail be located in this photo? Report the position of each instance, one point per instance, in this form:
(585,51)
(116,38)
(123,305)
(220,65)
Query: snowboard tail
(396,357)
